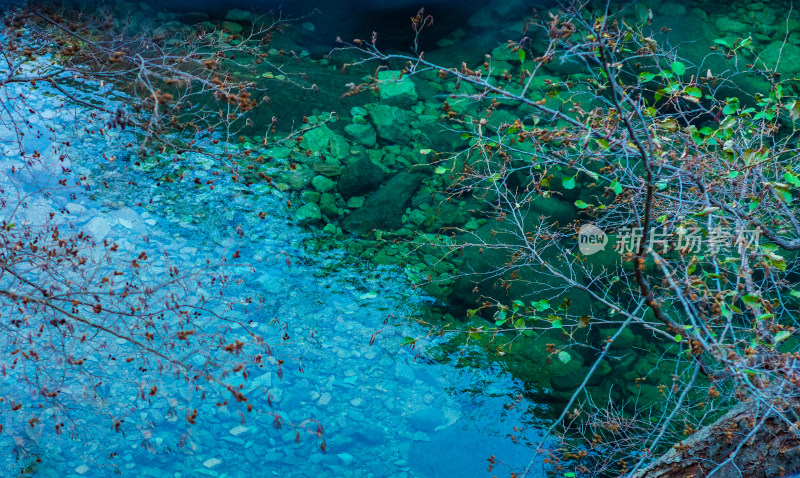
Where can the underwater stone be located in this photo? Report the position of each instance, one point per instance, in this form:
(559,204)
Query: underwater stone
(566,376)
(672,10)
(98,227)
(482,19)
(310,196)
(317,139)
(728,25)
(330,228)
(362,133)
(299,178)
(327,204)
(384,208)
(391,122)
(418,217)
(355,202)
(238,15)
(499,68)
(788,54)
(308,214)
(396,89)
(502,53)
(360,177)
(323,184)
(232,27)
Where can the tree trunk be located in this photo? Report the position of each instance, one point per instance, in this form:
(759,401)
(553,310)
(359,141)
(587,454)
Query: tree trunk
(773,451)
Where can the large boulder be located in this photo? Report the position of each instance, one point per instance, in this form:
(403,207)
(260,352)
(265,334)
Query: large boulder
(384,208)
(359,178)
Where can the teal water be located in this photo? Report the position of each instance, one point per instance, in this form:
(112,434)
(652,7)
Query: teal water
(386,409)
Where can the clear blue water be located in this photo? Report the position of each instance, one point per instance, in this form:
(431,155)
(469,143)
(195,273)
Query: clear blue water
(385,410)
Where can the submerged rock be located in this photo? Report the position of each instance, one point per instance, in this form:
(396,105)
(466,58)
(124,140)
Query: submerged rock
(391,122)
(359,178)
(362,133)
(232,27)
(396,89)
(237,15)
(384,208)
(309,213)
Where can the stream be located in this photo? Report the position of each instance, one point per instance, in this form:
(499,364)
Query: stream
(387,409)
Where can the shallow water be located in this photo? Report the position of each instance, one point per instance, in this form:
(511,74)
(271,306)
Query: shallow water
(386,410)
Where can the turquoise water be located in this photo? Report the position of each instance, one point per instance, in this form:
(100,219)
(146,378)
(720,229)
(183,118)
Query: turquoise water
(386,409)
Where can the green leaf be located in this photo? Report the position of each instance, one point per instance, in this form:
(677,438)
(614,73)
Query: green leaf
(557,324)
(646,76)
(752,300)
(782,335)
(580,204)
(541,305)
(679,68)
(731,106)
(425,151)
(521,54)
(791,179)
(568,183)
(723,42)
(678,338)
(693,91)
(408,341)
(602,143)
(784,194)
